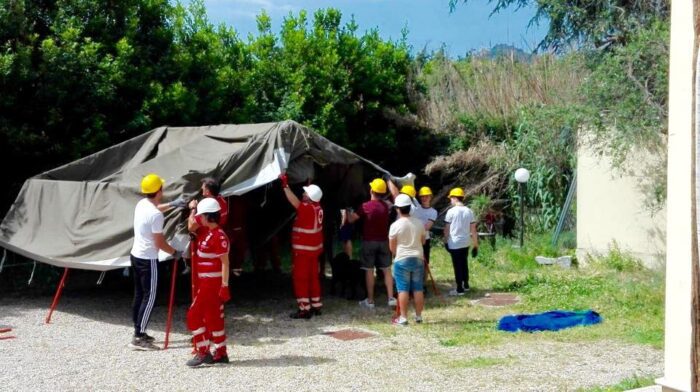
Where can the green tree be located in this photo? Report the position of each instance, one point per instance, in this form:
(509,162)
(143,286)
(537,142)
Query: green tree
(71,76)
(585,22)
(203,80)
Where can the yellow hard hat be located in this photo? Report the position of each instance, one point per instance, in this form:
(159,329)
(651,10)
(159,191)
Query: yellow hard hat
(378,185)
(151,183)
(425,191)
(409,190)
(456,192)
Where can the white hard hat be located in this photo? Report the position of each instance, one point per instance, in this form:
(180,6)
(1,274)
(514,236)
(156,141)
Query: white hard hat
(207,206)
(402,200)
(314,192)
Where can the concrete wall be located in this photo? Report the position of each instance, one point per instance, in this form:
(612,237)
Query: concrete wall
(610,209)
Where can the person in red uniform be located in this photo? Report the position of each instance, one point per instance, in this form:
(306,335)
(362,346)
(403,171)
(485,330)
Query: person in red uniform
(307,245)
(210,188)
(205,318)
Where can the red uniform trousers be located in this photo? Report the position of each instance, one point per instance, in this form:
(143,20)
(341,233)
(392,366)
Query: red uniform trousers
(307,286)
(205,318)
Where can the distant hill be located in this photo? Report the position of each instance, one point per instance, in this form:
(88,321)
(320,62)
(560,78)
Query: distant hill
(504,50)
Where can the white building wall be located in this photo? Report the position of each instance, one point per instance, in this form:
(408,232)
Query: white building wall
(677,374)
(610,210)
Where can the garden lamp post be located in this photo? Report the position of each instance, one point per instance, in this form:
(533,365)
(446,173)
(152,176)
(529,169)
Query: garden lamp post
(521,176)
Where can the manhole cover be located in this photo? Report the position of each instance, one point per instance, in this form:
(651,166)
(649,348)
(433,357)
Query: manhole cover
(498,299)
(349,334)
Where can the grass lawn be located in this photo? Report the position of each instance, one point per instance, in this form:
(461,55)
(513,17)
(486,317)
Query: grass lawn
(629,297)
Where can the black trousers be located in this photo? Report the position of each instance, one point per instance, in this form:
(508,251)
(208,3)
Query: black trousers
(145,274)
(461,267)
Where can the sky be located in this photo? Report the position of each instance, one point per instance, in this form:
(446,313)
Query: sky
(429,22)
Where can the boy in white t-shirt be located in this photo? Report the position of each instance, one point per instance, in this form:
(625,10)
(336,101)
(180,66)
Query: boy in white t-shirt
(427,215)
(460,232)
(148,239)
(406,237)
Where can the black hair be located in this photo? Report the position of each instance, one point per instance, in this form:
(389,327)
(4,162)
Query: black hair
(405,210)
(212,217)
(212,184)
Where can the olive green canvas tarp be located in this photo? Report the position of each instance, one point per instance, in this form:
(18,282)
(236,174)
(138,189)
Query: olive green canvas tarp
(80,215)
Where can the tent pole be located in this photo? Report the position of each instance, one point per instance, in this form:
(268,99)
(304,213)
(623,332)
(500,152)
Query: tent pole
(170,305)
(56,297)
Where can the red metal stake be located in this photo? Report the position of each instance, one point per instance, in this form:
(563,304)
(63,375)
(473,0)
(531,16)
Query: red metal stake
(56,297)
(170,306)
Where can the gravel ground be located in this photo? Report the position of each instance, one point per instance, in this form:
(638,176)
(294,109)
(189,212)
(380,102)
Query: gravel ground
(85,348)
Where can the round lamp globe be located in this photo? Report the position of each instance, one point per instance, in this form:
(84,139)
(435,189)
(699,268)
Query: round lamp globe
(522,175)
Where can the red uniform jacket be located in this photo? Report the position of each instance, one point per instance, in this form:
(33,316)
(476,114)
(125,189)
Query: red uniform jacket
(210,248)
(307,230)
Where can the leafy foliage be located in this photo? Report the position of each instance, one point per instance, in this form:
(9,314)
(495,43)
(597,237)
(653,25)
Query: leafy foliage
(587,23)
(627,110)
(77,76)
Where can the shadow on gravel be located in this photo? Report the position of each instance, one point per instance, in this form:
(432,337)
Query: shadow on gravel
(257,315)
(282,361)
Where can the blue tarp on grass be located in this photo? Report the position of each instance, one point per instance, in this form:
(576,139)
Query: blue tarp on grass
(548,321)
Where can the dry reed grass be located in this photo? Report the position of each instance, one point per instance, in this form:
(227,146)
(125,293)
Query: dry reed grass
(493,88)
(473,169)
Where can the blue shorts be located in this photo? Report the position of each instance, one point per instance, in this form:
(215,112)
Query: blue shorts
(408,274)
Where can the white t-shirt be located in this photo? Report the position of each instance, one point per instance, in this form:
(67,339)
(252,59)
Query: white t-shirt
(147,221)
(425,215)
(460,219)
(408,233)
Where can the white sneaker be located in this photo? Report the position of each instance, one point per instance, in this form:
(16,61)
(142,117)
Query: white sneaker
(455,293)
(400,321)
(419,319)
(366,304)
(391,302)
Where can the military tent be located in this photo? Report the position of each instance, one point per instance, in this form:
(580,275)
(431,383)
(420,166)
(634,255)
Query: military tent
(80,215)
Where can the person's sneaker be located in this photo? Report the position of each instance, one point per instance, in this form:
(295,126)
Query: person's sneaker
(316,311)
(221,359)
(141,344)
(200,359)
(400,321)
(366,304)
(454,292)
(419,319)
(148,338)
(391,302)
(301,314)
